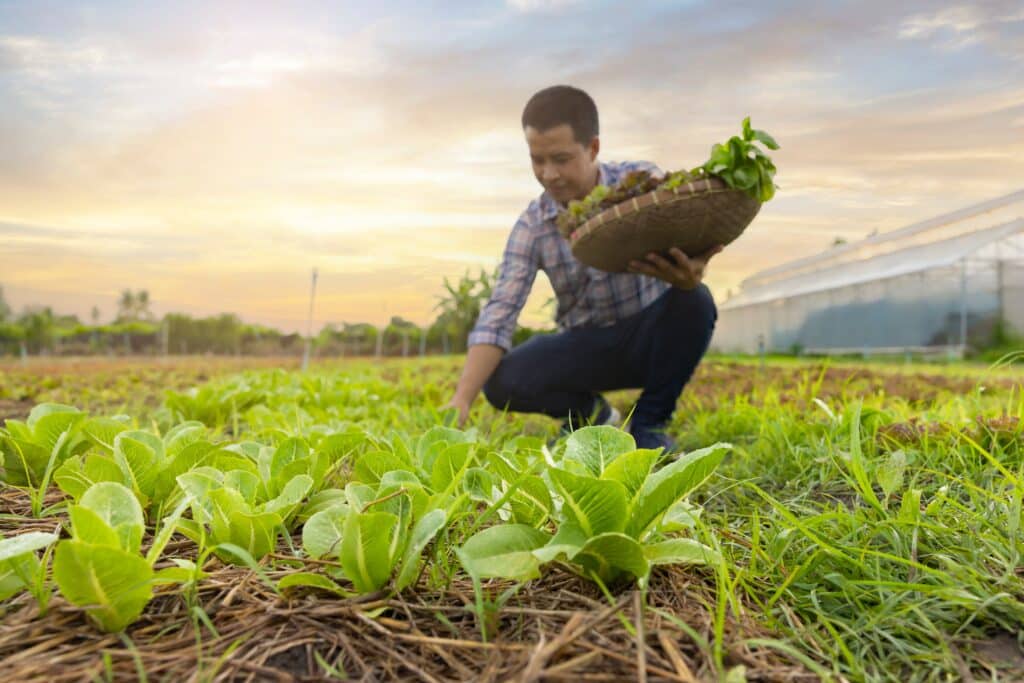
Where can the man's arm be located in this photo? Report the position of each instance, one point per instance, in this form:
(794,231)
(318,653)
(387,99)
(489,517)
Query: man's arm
(481,361)
(492,335)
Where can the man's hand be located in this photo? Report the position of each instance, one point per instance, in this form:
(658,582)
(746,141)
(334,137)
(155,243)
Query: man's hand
(684,273)
(481,361)
(462,406)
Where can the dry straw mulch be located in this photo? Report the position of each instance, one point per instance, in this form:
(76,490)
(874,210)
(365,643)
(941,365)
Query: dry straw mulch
(559,628)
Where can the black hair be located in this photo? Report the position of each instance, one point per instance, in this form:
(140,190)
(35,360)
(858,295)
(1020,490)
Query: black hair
(560,104)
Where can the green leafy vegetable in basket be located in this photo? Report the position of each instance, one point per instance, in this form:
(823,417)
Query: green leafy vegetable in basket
(742,164)
(739,162)
(602,197)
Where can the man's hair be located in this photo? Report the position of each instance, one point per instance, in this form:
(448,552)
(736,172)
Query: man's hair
(563,104)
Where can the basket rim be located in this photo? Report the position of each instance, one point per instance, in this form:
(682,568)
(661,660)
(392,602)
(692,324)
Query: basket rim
(689,190)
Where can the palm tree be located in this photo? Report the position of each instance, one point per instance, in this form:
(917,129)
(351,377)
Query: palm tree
(126,306)
(95,337)
(5,310)
(142,311)
(461,306)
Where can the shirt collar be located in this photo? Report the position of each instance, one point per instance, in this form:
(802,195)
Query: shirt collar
(549,208)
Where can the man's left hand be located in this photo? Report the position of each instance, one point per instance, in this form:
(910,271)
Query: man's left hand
(680,271)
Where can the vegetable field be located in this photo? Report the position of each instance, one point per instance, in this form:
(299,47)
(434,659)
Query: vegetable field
(211,522)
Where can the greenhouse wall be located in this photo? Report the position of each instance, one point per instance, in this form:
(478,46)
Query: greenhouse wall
(1013,297)
(920,309)
(911,288)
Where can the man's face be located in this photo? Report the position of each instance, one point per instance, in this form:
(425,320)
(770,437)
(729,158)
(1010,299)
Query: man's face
(563,166)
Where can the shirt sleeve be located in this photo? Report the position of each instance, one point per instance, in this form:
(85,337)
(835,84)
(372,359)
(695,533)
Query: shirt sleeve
(497,321)
(648,166)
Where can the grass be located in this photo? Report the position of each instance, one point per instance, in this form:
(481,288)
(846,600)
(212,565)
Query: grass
(887,560)
(868,520)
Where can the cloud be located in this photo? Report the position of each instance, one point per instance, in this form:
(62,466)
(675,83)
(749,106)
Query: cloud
(961,20)
(234,160)
(256,70)
(1000,24)
(43,58)
(540,5)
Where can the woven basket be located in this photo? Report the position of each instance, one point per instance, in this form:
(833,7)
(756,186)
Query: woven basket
(694,217)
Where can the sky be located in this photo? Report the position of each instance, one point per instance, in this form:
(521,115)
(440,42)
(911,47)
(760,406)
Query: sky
(213,153)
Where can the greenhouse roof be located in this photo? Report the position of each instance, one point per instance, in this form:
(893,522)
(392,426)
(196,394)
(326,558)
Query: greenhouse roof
(902,262)
(850,249)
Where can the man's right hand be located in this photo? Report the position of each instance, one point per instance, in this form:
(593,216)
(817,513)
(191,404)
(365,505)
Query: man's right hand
(481,361)
(460,405)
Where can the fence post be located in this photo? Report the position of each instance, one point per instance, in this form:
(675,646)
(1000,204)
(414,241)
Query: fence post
(309,325)
(963,307)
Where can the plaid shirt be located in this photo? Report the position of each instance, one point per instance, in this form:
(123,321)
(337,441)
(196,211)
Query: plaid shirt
(586,296)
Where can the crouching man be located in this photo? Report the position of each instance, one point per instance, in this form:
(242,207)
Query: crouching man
(647,328)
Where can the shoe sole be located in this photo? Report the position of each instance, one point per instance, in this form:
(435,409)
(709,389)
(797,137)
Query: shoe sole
(614,420)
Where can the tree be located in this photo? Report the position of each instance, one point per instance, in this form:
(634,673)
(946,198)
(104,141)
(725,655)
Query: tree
(460,307)
(399,322)
(5,310)
(39,326)
(362,337)
(133,306)
(126,306)
(94,338)
(142,311)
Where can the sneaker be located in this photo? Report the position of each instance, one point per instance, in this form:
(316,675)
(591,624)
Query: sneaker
(652,437)
(607,414)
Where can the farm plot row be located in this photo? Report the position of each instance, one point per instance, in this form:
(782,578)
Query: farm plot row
(821,542)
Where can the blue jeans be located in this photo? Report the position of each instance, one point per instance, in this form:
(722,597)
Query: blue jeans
(656,350)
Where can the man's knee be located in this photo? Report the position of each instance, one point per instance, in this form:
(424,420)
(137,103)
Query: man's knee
(498,389)
(520,374)
(689,307)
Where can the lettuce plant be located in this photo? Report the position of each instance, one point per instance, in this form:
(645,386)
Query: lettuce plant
(435,465)
(20,567)
(213,404)
(248,506)
(31,450)
(231,505)
(100,568)
(145,463)
(397,502)
(377,533)
(611,504)
(510,483)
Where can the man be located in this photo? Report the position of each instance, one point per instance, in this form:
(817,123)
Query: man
(647,328)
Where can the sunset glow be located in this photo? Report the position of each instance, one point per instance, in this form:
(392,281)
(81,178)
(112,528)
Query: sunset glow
(214,154)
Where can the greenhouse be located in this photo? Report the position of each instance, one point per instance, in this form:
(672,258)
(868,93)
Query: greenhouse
(938,285)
